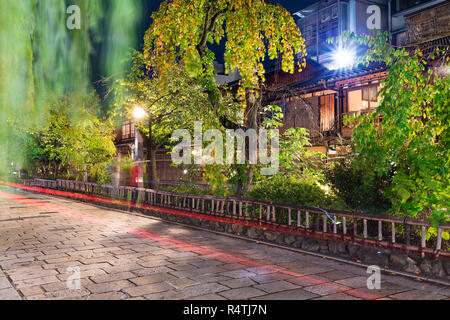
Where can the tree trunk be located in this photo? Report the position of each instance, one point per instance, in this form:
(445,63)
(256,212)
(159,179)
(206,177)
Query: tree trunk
(253,106)
(85,172)
(154,170)
(55,170)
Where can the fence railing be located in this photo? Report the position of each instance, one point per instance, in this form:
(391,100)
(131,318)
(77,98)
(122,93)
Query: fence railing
(372,229)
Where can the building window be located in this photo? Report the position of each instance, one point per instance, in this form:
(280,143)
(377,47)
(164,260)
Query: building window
(363,99)
(132,130)
(128,130)
(369,94)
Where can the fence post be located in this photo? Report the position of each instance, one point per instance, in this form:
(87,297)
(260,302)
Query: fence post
(393,232)
(240,209)
(307,220)
(335,225)
(439,241)
(380,231)
(424,240)
(365,228)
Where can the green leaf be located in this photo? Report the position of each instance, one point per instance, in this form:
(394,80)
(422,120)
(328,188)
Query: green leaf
(404,194)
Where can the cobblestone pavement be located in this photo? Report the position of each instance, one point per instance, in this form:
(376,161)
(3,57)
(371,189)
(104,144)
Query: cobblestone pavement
(45,241)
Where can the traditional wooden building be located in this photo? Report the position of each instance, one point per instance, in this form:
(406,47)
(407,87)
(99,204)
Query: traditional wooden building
(320,96)
(320,103)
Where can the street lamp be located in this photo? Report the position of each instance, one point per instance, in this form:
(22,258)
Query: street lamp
(138,114)
(343,58)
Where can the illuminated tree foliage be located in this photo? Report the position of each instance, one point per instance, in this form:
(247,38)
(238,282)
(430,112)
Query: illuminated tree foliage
(252,31)
(412,143)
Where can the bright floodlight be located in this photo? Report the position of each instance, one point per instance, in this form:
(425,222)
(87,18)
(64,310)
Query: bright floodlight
(343,58)
(139,113)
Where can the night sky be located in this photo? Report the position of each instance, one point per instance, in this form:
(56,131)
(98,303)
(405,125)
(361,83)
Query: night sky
(291,5)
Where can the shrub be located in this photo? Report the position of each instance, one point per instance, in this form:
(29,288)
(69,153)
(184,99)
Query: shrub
(187,189)
(292,191)
(359,190)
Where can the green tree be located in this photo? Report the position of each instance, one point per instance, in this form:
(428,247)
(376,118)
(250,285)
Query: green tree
(412,143)
(176,105)
(93,148)
(74,142)
(183,30)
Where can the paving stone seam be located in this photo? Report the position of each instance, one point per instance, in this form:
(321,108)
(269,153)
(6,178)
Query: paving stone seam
(319,255)
(11,282)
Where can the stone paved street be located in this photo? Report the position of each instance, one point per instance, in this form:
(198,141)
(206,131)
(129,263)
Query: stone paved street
(119,255)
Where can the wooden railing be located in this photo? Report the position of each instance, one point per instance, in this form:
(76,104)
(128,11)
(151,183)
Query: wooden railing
(347,130)
(372,229)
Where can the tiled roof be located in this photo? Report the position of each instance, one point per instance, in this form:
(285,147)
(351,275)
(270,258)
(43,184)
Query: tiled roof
(342,74)
(429,46)
(332,76)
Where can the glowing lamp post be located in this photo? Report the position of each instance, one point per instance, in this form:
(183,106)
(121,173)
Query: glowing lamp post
(138,114)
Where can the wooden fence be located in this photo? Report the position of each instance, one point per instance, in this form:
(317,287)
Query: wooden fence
(373,229)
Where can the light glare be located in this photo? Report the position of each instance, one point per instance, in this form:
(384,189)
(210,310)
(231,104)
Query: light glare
(139,113)
(343,58)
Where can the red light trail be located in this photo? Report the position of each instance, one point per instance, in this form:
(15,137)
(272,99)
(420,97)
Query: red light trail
(162,239)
